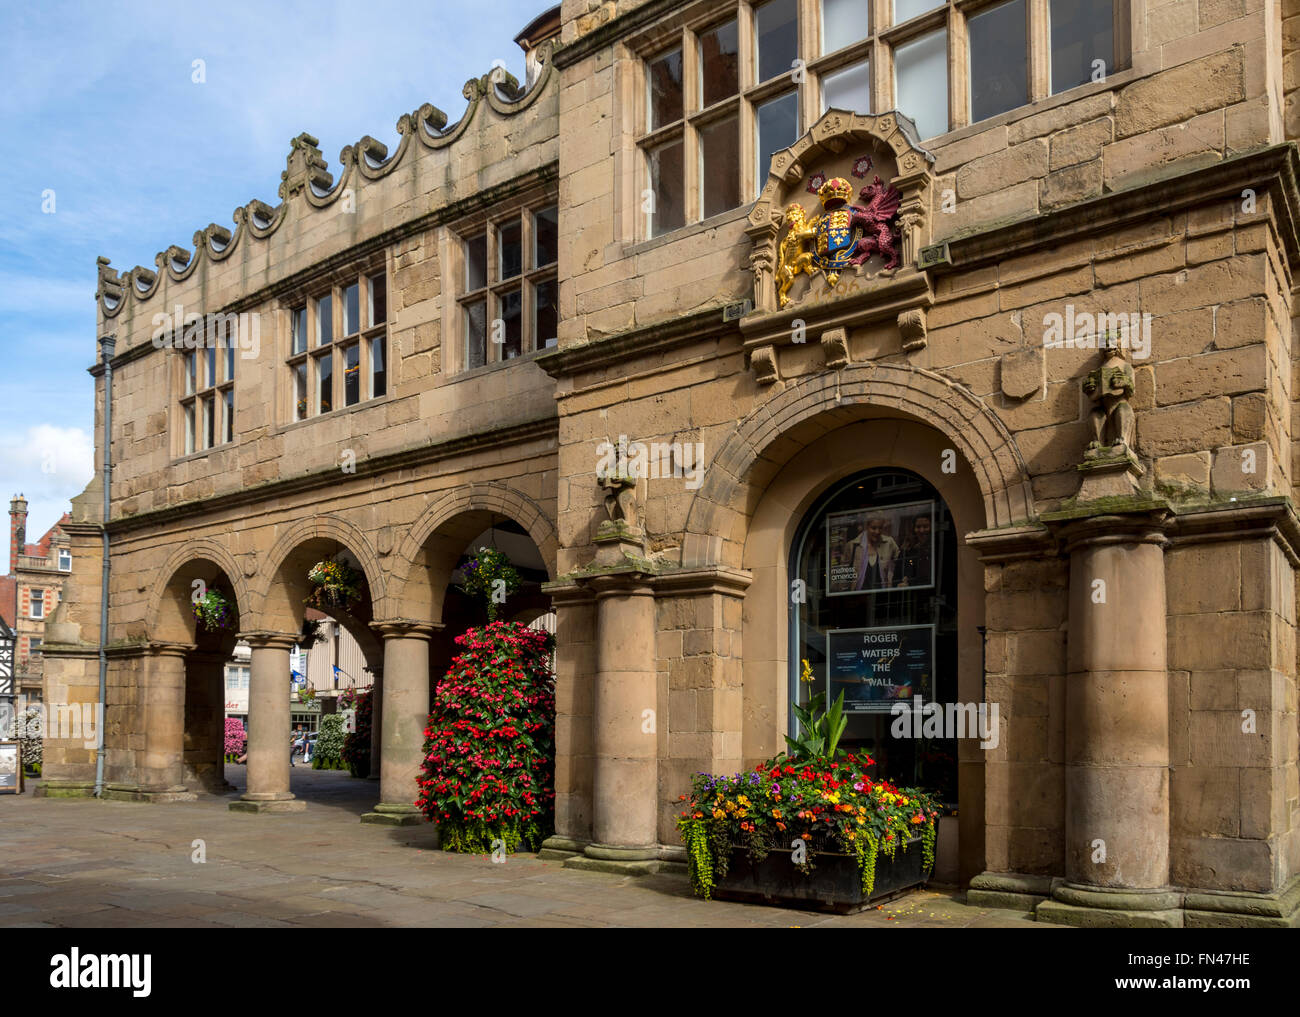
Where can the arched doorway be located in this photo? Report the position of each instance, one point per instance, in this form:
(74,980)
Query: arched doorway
(873,612)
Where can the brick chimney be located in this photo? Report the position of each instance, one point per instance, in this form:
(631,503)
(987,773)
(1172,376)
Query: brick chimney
(17,530)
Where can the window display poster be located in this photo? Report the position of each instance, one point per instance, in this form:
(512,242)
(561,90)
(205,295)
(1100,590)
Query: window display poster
(875,668)
(11,770)
(880,549)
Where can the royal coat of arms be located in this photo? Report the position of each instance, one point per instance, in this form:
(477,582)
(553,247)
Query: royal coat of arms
(841,237)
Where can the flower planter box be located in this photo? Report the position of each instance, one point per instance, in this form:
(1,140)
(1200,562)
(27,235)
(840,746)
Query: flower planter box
(834,884)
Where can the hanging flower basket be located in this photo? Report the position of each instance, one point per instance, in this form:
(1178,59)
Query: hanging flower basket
(490,575)
(214,612)
(334,585)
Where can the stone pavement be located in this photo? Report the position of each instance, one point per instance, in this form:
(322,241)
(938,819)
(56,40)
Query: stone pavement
(86,864)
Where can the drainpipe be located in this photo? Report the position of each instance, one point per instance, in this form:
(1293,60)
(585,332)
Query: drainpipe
(108,345)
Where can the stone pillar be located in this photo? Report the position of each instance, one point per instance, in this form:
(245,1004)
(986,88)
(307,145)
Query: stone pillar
(1117,728)
(268,726)
(405,712)
(376,725)
(625,787)
(162,764)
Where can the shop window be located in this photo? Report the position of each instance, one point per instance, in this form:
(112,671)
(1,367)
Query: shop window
(877,557)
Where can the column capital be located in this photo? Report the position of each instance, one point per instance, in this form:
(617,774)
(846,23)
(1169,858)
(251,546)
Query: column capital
(406,628)
(622,584)
(159,648)
(263,639)
(1147,526)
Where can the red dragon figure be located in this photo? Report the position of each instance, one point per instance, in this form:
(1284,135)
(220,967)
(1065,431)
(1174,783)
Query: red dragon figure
(877,223)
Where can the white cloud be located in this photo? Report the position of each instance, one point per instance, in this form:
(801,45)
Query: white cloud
(49,465)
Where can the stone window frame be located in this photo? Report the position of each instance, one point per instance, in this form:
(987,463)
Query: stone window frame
(303,311)
(206,383)
(531,275)
(877,46)
(35,597)
(59,557)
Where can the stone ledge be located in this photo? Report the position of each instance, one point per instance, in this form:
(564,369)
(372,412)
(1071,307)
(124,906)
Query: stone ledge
(284,805)
(1059,913)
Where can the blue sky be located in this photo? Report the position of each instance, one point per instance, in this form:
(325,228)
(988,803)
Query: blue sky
(100,108)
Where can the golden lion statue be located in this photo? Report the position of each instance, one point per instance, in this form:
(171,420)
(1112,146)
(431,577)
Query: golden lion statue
(793,260)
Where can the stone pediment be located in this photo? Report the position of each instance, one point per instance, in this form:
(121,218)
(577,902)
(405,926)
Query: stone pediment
(835,235)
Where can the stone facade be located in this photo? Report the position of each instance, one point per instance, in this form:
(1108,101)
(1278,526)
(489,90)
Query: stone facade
(1147,766)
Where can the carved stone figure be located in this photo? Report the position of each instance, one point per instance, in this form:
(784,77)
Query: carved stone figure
(1110,387)
(620,494)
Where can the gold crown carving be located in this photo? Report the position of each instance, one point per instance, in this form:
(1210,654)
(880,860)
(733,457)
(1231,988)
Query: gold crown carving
(837,190)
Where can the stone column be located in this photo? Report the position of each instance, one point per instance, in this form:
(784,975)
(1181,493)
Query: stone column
(1117,728)
(268,726)
(376,725)
(162,764)
(405,712)
(625,787)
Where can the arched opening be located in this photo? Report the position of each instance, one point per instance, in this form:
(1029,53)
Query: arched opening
(874,615)
(186,681)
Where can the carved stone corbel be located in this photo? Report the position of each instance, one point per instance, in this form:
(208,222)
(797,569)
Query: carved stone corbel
(835,347)
(911,326)
(763,363)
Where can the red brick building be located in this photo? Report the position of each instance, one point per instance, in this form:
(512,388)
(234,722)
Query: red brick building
(31,592)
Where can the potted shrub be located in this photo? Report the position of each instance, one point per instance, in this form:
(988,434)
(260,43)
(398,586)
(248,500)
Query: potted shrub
(356,744)
(810,827)
(329,744)
(214,612)
(334,585)
(489,766)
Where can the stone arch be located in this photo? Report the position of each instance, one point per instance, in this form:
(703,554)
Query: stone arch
(277,616)
(811,406)
(490,498)
(158,624)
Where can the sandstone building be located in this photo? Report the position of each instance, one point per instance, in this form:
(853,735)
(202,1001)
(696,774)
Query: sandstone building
(1036,447)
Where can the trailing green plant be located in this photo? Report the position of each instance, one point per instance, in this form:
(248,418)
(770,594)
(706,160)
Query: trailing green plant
(490,575)
(214,611)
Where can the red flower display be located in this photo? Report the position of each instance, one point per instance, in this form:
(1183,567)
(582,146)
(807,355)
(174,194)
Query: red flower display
(489,767)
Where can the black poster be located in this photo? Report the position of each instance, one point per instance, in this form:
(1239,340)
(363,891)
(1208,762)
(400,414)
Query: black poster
(876,668)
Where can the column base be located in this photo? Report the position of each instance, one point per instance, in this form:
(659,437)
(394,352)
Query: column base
(557,848)
(65,789)
(1240,910)
(1009,891)
(282,801)
(135,793)
(1102,907)
(628,861)
(394,815)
